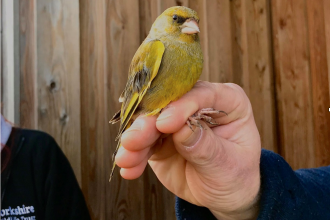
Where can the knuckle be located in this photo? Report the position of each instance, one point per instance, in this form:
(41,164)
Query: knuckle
(201,83)
(204,86)
(234,86)
(242,101)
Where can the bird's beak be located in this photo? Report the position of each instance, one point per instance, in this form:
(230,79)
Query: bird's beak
(190,27)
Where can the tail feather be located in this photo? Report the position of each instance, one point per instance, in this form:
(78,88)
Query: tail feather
(115,153)
(115,118)
(114,162)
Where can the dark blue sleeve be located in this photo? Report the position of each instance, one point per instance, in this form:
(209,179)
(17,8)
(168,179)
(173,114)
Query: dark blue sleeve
(285,194)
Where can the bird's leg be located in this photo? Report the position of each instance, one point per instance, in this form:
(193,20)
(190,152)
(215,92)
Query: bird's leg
(193,121)
(202,115)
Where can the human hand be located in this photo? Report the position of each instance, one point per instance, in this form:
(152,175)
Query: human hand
(214,167)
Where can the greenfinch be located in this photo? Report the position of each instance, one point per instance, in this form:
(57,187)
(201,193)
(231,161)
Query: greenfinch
(166,66)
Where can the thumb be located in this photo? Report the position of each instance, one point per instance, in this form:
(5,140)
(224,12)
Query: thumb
(201,147)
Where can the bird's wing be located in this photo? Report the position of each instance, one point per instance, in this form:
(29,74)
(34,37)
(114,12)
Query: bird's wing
(143,69)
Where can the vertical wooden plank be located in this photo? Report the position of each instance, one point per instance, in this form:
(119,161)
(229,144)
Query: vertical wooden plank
(260,71)
(10,60)
(149,10)
(123,39)
(293,88)
(215,26)
(16,73)
(327,34)
(219,40)
(28,64)
(320,81)
(158,201)
(59,75)
(253,68)
(93,119)
(239,44)
(199,7)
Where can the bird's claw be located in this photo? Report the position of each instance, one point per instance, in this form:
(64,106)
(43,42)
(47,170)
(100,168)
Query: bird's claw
(208,111)
(202,115)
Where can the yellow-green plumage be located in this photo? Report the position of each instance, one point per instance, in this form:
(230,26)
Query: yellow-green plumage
(166,66)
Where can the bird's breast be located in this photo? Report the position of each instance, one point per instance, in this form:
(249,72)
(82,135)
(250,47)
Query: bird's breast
(180,69)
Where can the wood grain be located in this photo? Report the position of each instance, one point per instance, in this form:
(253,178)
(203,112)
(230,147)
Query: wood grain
(148,12)
(260,79)
(122,22)
(326,9)
(215,38)
(320,81)
(239,44)
(59,75)
(252,63)
(28,65)
(199,7)
(93,116)
(293,86)
(8,60)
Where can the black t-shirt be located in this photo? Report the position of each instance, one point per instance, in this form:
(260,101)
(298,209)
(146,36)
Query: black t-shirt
(38,181)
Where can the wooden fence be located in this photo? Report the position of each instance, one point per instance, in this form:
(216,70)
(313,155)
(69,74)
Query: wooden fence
(73,63)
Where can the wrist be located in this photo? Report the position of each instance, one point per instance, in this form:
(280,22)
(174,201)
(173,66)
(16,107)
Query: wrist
(250,213)
(247,206)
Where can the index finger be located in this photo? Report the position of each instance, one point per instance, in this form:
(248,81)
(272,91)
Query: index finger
(226,97)
(142,134)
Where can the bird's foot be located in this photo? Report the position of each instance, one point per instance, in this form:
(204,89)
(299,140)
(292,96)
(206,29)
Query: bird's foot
(203,115)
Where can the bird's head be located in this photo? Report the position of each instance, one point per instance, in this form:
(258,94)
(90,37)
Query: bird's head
(179,22)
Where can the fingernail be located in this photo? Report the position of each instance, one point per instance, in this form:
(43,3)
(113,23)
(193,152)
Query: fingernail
(168,112)
(137,125)
(193,138)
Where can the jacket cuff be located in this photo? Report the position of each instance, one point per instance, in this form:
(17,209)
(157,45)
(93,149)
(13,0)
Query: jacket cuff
(285,194)
(288,194)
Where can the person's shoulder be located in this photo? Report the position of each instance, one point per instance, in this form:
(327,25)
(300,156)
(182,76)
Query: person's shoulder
(35,140)
(33,134)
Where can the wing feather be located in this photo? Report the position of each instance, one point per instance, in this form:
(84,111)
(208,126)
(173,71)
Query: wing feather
(143,70)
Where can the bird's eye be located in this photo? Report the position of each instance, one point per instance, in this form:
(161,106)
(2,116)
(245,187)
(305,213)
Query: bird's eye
(175,17)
